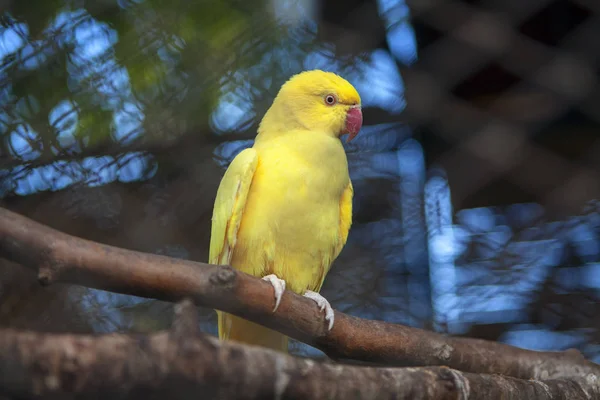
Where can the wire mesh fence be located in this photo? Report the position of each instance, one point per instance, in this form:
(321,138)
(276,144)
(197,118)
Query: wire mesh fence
(476,174)
(505,99)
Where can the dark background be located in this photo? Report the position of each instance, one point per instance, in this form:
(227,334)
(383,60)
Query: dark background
(477,174)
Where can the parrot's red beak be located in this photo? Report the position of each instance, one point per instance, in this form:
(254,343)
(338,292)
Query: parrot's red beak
(354,120)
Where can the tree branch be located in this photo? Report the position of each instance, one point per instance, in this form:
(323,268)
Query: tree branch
(182,363)
(60,257)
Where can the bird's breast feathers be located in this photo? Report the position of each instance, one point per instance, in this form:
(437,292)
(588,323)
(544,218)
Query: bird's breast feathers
(310,167)
(293,208)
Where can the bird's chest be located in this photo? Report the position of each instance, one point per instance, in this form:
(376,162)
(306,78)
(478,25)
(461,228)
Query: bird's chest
(297,196)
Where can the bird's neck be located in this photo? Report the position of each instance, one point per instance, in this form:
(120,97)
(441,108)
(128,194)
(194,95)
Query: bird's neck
(277,120)
(311,148)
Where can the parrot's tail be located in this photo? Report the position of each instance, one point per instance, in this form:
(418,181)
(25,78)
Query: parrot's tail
(244,331)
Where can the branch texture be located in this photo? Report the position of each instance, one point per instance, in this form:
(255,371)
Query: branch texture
(183,363)
(58,257)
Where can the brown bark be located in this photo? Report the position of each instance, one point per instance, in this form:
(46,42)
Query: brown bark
(60,257)
(182,363)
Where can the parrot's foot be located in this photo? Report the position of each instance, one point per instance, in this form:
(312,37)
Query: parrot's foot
(278,287)
(323,305)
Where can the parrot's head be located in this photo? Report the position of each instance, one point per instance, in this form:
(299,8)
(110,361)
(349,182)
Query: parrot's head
(320,102)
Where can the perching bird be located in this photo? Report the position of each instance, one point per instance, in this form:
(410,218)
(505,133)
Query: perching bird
(284,206)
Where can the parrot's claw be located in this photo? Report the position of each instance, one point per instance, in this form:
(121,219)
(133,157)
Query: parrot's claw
(278,287)
(323,305)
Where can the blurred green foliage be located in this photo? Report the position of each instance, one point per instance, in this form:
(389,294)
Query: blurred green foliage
(75,74)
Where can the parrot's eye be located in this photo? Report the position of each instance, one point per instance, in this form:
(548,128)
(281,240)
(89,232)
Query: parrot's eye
(330,100)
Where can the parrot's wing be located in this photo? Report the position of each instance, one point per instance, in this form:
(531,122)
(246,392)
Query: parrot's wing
(344,228)
(345,218)
(229,206)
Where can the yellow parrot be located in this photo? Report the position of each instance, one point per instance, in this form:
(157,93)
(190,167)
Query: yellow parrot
(284,206)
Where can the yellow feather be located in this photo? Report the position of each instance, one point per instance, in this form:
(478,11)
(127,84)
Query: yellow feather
(229,206)
(284,207)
